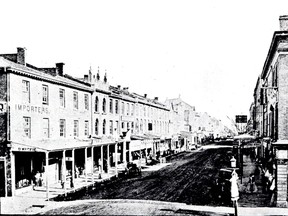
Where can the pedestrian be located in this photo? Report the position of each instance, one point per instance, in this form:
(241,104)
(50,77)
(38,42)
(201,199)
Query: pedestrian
(251,186)
(37,178)
(272,191)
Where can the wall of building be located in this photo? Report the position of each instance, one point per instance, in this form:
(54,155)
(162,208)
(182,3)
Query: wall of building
(37,111)
(283,100)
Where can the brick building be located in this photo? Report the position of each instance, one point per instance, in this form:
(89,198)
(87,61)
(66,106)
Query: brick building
(271,105)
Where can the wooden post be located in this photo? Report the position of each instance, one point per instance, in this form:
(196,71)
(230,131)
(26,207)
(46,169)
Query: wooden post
(86,182)
(64,171)
(73,167)
(101,171)
(108,159)
(92,158)
(47,174)
(124,152)
(116,159)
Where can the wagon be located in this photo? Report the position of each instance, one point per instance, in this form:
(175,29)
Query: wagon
(132,169)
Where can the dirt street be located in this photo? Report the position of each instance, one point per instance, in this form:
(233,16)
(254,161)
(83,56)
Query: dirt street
(189,179)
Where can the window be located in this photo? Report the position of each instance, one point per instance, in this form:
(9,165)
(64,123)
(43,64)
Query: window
(44,94)
(96,104)
(45,128)
(26,90)
(27,126)
(96,127)
(111,127)
(76,128)
(75,100)
(116,107)
(128,108)
(132,109)
(62,128)
(86,101)
(104,105)
(117,126)
(104,127)
(111,106)
(62,97)
(86,130)
(122,108)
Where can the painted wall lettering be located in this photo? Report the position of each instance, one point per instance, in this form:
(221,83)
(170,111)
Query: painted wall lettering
(32,109)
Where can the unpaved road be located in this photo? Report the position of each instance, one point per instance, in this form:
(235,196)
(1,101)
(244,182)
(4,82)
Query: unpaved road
(189,179)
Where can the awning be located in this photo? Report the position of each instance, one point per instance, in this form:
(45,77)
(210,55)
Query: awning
(50,145)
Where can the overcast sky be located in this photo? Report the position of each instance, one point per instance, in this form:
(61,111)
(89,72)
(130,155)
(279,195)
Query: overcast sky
(209,52)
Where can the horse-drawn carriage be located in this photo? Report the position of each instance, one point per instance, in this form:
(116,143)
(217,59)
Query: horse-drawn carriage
(132,169)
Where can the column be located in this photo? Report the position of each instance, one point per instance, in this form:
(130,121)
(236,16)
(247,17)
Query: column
(130,155)
(108,159)
(124,152)
(101,171)
(85,167)
(92,164)
(47,174)
(73,167)
(116,159)
(64,171)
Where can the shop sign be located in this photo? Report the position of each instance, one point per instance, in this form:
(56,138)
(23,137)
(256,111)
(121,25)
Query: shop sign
(24,149)
(31,109)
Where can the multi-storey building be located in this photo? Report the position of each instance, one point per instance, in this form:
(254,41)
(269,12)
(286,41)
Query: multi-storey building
(271,117)
(46,113)
(58,125)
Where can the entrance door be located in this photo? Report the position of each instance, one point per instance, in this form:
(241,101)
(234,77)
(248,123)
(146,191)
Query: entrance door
(2,178)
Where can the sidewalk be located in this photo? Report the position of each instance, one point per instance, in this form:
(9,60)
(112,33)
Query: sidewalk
(35,201)
(256,199)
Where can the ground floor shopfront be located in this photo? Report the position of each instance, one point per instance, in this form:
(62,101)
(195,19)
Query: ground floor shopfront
(44,164)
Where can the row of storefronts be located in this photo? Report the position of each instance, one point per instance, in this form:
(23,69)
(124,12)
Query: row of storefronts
(59,127)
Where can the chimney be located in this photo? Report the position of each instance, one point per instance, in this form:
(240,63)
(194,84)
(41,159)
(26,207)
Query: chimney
(59,69)
(21,55)
(85,78)
(145,95)
(119,86)
(283,23)
(125,88)
(156,98)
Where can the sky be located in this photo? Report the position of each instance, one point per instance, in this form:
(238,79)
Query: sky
(209,52)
